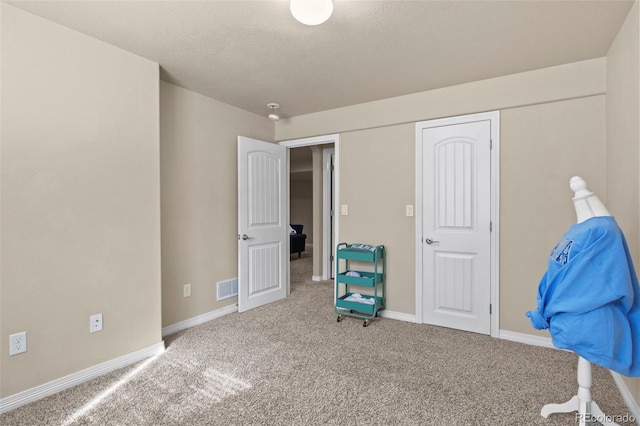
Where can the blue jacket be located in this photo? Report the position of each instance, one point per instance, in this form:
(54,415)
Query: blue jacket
(589,297)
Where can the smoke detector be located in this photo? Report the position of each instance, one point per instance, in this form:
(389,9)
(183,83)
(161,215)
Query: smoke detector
(273,107)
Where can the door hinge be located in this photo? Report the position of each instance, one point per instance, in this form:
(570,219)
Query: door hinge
(490,226)
(332,258)
(490,307)
(490,144)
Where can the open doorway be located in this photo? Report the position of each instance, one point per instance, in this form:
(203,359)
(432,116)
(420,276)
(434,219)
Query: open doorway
(301,214)
(313,166)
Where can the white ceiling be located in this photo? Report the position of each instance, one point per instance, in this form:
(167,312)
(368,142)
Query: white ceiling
(250,53)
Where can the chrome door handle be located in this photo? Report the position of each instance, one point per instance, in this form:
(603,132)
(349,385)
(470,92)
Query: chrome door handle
(430,240)
(246,237)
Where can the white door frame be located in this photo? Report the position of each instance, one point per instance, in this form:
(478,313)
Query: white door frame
(327,212)
(321,140)
(494,117)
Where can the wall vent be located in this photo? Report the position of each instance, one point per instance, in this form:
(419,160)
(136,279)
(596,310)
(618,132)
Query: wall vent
(227,289)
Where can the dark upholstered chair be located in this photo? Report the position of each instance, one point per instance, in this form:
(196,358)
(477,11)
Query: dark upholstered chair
(297,240)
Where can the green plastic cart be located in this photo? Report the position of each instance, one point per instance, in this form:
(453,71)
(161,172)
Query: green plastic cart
(349,301)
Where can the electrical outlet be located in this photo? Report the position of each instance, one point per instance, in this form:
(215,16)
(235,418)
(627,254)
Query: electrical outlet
(344,210)
(95,323)
(186,291)
(18,343)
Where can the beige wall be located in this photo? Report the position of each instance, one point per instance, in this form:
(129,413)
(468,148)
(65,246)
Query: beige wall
(80,230)
(623,137)
(301,205)
(301,189)
(547,137)
(623,130)
(549,84)
(199,197)
(376,183)
(542,147)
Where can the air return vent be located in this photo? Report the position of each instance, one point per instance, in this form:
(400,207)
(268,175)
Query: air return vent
(227,289)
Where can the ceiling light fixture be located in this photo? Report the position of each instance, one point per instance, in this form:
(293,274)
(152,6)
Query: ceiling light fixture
(273,116)
(311,12)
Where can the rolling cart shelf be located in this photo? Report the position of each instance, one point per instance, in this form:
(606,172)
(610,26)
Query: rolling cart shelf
(367,279)
(360,305)
(355,306)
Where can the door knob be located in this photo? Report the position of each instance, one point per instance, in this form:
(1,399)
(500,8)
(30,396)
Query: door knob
(246,237)
(430,240)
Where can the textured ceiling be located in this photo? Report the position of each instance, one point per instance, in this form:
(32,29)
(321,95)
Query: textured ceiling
(250,53)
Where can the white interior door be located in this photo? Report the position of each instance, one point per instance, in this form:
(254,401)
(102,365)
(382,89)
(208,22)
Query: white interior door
(262,228)
(456,224)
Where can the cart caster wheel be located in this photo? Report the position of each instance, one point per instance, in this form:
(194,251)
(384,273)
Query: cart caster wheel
(339,319)
(365,323)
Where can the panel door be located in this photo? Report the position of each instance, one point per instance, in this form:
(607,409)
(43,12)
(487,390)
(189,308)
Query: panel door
(262,229)
(456,226)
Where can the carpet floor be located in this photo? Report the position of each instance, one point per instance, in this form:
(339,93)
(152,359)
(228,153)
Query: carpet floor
(292,363)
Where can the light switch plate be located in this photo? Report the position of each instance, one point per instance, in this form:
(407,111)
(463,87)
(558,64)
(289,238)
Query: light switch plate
(409,209)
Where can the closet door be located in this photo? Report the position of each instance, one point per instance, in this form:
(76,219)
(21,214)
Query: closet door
(456,221)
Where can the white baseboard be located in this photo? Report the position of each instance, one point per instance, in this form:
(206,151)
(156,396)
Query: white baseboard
(632,405)
(399,316)
(528,339)
(316,278)
(30,395)
(546,342)
(55,386)
(183,325)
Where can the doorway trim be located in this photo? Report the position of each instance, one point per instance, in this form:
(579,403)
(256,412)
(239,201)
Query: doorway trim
(322,140)
(327,212)
(494,118)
